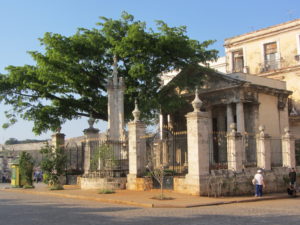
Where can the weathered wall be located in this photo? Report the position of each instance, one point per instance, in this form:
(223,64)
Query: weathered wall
(102,183)
(269,114)
(224,183)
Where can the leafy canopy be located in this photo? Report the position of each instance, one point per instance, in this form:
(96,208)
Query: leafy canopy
(70,75)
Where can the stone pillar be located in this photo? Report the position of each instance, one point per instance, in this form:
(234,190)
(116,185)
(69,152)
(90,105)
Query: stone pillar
(91,134)
(229,114)
(198,146)
(263,149)
(137,149)
(58,139)
(240,118)
(115,95)
(234,150)
(161,125)
(288,149)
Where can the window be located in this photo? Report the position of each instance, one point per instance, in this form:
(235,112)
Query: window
(237,61)
(270,56)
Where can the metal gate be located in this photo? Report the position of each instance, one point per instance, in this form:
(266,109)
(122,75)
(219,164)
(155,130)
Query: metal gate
(168,149)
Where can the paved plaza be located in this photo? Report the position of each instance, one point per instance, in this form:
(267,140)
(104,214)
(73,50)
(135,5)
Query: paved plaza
(23,208)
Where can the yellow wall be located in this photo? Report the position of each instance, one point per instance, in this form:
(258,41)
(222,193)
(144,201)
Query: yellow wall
(268,114)
(253,50)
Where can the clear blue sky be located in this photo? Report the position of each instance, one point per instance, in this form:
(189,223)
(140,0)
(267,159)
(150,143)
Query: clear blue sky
(22,22)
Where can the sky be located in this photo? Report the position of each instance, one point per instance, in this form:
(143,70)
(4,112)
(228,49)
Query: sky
(23,22)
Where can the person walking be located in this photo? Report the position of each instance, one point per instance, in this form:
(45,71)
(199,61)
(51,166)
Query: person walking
(292,176)
(259,183)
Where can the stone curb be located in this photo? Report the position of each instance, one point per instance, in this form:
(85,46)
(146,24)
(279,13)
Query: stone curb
(144,205)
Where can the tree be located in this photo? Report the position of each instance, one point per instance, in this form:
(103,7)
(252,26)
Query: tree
(11,141)
(53,165)
(69,78)
(26,169)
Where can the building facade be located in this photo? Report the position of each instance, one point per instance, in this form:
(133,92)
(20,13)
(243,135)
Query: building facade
(272,52)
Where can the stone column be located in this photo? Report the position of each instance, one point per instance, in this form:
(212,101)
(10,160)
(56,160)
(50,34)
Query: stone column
(263,149)
(240,118)
(234,150)
(229,114)
(137,149)
(288,149)
(161,125)
(91,134)
(198,146)
(58,139)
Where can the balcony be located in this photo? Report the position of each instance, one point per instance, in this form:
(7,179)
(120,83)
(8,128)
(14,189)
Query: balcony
(270,65)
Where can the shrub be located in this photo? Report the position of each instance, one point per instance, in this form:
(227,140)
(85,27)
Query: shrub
(26,169)
(106,191)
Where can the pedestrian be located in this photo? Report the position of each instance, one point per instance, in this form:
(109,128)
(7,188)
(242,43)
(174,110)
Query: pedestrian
(259,183)
(292,176)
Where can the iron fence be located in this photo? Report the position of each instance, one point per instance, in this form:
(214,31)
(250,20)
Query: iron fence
(217,150)
(75,157)
(276,151)
(297,151)
(169,151)
(108,158)
(250,153)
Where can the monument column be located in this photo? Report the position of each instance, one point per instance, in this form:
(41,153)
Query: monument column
(198,146)
(137,149)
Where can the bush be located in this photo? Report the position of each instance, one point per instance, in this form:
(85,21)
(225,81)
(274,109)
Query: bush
(53,166)
(55,187)
(106,191)
(26,169)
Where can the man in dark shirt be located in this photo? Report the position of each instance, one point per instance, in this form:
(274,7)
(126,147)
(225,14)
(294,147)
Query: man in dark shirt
(292,176)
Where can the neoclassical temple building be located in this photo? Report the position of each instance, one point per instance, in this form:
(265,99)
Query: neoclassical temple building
(247,100)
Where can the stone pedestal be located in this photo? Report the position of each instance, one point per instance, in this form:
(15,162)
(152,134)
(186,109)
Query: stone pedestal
(263,149)
(234,150)
(288,150)
(58,140)
(91,134)
(137,152)
(198,126)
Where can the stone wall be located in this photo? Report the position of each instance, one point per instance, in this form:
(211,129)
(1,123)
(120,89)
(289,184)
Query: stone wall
(103,183)
(225,183)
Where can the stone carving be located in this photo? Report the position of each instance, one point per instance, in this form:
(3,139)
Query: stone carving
(136,112)
(197,103)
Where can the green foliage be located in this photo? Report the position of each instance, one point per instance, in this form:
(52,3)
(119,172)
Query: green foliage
(106,191)
(70,76)
(55,187)
(26,169)
(106,155)
(53,165)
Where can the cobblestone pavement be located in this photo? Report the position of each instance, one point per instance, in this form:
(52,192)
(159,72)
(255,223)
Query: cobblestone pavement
(17,208)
